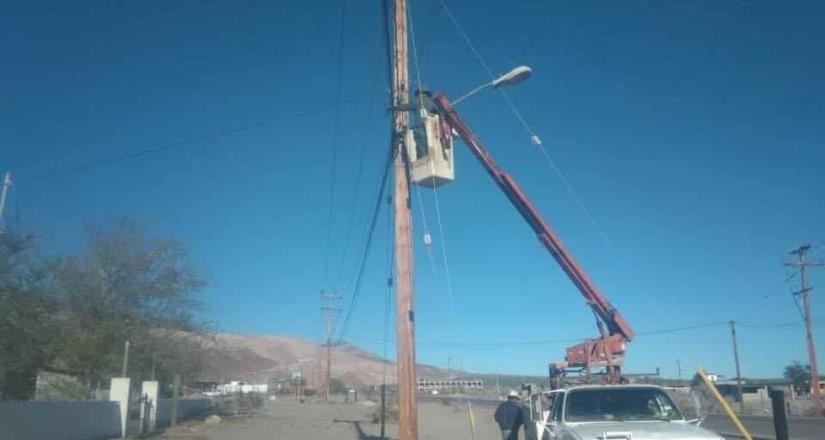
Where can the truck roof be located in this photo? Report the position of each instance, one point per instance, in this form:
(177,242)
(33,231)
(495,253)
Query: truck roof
(604,386)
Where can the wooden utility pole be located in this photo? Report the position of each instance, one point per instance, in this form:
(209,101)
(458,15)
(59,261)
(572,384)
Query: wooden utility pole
(404,300)
(3,194)
(175,398)
(125,367)
(738,374)
(802,264)
(330,312)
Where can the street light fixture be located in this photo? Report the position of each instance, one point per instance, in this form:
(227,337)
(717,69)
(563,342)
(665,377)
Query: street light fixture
(511,78)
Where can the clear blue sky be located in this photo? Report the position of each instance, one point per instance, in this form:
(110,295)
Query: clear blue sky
(693,131)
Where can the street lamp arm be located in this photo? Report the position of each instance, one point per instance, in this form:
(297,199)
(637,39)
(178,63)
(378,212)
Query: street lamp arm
(510,78)
(474,91)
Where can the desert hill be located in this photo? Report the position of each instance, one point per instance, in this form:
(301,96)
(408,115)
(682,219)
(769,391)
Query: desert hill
(262,357)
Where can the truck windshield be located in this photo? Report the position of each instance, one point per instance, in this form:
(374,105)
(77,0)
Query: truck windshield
(620,404)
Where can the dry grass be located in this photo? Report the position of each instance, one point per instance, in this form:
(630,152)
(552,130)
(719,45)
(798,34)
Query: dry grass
(390,416)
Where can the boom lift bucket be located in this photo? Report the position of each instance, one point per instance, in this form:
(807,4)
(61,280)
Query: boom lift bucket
(430,151)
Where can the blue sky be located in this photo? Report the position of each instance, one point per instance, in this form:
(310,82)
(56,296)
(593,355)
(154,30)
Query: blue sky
(691,130)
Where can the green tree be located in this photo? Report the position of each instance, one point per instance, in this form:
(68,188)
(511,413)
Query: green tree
(799,375)
(337,386)
(127,286)
(26,317)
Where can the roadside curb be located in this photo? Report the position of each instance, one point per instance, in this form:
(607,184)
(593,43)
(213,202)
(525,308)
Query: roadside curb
(754,437)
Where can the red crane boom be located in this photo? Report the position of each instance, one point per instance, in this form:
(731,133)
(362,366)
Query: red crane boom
(605,351)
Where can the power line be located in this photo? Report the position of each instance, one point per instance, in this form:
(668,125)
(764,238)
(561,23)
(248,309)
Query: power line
(335,135)
(788,279)
(557,341)
(388,43)
(376,210)
(434,11)
(441,233)
(518,342)
(498,345)
(771,325)
(534,138)
(88,166)
(493,345)
(364,147)
(415,56)
(682,329)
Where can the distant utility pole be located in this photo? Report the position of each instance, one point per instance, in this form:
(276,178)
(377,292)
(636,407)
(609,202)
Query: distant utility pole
(175,398)
(450,372)
(679,369)
(300,383)
(125,368)
(404,299)
(330,311)
(738,374)
(802,265)
(3,195)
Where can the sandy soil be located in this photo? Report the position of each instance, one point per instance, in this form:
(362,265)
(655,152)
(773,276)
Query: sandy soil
(290,420)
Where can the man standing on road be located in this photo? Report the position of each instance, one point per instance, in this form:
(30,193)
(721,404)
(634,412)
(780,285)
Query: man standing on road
(510,416)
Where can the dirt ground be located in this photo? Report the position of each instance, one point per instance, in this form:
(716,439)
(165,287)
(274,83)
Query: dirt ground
(290,420)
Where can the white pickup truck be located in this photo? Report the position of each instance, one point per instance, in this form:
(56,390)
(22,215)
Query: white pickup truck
(615,412)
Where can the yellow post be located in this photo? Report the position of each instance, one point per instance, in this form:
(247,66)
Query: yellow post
(472,419)
(724,403)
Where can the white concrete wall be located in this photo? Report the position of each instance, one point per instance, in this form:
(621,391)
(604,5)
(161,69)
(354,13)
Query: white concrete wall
(149,409)
(119,392)
(59,420)
(186,408)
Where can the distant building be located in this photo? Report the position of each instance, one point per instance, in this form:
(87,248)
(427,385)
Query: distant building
(202,386)
(242,387)
(754,390)
(428,384)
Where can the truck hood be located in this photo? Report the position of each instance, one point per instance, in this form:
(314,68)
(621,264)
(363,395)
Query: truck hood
(640,431)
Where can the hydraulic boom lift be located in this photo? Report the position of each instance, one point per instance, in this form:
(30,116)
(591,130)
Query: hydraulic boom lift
(604,352)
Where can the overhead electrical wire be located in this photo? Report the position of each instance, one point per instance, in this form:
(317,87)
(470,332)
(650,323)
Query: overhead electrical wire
(335,136)
(388,46)
(794,296)
(365,146)
(772,324)
(472,343)
(434,11)
(534,138)
(368,245)
(520,342)
(88,166)
(441,234)
(417,189)
(683,329)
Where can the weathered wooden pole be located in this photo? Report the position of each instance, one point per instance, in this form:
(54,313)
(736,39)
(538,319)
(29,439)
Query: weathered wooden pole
(405,311)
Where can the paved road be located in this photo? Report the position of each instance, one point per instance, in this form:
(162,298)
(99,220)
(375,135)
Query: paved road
(290,420)
(801,428)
